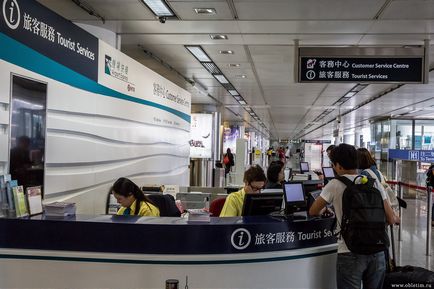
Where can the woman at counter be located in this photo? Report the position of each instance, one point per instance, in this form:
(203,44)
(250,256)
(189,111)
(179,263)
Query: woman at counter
(275,175)
(254,181)
(132,199)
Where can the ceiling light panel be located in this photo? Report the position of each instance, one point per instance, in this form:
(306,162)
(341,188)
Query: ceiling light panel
(350,94)
(218,36)
(221,78)
(199,53)
(233,92)
(242,102)
(211,67)
(159,8)
(234,65)
(205,11)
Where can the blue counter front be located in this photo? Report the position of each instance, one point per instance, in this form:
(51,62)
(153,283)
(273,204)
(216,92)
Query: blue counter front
(91,251)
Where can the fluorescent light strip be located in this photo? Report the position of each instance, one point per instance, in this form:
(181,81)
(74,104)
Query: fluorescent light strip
(211,67)
(159,8)
(221,78)
(350,94)
(198,52)
(233,92)
(242,102)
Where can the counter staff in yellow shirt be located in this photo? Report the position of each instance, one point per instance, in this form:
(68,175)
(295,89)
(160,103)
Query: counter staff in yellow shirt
(132,199)
(254,181)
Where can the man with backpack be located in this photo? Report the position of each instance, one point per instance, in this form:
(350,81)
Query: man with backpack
(361,215)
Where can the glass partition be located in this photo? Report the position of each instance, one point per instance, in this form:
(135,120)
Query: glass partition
(27,141)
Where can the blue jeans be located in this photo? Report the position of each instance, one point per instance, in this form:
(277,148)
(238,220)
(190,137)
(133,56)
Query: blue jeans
(352,269)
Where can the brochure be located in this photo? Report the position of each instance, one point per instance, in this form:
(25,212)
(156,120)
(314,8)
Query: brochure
(34,200)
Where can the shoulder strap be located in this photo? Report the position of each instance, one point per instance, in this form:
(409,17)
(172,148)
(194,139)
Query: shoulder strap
(345,180)
(372,174)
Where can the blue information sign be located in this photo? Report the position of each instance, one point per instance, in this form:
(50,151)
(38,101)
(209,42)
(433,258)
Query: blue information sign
(412,155)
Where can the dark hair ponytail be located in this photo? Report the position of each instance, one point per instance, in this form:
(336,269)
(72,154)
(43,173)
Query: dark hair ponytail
(125,187)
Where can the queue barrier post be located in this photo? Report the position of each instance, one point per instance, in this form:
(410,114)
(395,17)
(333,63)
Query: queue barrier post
(428,216)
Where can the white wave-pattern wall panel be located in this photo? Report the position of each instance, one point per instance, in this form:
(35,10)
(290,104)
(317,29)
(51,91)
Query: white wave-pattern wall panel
(94,139)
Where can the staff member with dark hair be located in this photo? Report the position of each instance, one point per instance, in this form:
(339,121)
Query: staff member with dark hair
(132,199)
(254,181)
(275,175)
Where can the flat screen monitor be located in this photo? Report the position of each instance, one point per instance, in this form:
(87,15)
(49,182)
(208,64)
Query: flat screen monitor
(294,196)
(304,167)
(328,172)
(262,204)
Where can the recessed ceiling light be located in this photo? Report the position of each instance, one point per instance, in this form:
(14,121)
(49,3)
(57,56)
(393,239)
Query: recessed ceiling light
(221,78)
(242,76)
(218,36)
(198,52)
(233,92)
(226,51)
(234,65)
(242,102)
(207,11)
(159,8)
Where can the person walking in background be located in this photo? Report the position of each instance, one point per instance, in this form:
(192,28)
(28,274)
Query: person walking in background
(228,161)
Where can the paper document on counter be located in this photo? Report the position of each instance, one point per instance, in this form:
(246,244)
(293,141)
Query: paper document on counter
(198,215)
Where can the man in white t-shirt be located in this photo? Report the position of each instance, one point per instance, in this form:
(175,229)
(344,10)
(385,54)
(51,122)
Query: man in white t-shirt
(351,269)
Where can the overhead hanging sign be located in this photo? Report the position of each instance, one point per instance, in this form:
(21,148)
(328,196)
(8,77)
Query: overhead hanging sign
(412,155)
(361,65)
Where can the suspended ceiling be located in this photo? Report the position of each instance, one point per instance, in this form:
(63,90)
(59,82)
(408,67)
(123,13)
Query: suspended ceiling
(261,33)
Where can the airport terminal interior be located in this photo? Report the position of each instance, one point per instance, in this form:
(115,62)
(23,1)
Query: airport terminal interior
(195,144)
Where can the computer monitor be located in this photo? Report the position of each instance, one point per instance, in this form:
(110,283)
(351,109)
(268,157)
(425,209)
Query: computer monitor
(294,197)
(328,172)
(262,204)
(304,167)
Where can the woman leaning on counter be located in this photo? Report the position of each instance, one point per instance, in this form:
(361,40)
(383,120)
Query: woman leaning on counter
(254,181)
(132,199)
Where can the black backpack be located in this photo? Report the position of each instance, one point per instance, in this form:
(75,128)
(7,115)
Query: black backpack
(363,224)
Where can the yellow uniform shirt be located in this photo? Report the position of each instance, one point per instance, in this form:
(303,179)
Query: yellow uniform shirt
(234,204)
(146,209)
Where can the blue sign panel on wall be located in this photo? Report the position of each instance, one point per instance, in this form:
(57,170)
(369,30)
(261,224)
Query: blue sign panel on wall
(46,32)
(412,155)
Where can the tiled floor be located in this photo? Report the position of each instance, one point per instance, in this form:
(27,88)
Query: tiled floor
(411,250)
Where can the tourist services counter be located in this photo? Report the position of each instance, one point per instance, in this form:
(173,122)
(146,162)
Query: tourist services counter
(142,252)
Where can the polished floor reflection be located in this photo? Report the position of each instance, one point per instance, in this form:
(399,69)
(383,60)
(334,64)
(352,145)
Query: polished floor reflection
(411,250)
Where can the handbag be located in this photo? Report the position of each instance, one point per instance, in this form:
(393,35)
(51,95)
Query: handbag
(226,160)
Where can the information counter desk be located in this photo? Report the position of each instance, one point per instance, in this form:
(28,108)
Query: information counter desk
(138,252)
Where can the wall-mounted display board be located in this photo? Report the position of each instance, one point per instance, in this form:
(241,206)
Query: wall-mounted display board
(201,135)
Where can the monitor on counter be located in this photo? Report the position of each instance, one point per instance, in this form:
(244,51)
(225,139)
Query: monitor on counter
(294,197)
(304,167)
(262,204)
(328,172)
